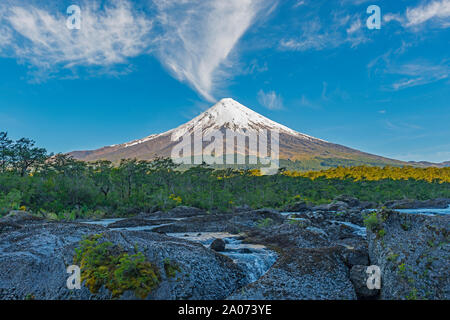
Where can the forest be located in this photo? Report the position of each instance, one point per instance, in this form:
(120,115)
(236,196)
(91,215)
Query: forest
(60,187)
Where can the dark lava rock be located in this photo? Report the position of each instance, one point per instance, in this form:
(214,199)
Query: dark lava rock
(218,245)
(417,204)
(359,277)
(138,222)
(33,261)
(299,206)
(353,257)
(183,212)
(351,202)
(302,274)
(413,253)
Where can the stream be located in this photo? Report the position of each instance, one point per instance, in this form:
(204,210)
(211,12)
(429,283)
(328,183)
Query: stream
(255,260)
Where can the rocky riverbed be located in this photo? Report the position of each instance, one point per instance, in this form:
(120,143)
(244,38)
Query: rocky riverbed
(303,252)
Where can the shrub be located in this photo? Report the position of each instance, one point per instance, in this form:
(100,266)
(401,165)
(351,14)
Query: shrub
(372,222)
(171,268)
(104,264)
(265,223)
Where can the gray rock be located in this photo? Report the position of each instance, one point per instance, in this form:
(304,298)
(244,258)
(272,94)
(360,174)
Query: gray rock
(299,206)
(441,203)
(302,274)
(317,231)
(33,261)
(218,245)
(359,277)
(351,202)
(355,257)
(413,253)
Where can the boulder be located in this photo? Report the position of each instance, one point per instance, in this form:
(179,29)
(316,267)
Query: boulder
(353,257)
(412,252)
(351,202)
(302,274)
(359,277)
(299,206)
(33,261)
(441,203)
(183,212)
(218,245)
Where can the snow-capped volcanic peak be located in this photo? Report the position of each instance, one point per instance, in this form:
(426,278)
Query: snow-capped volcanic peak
(230,114)
(225,114)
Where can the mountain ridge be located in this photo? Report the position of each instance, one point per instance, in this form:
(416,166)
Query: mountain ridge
(229,114)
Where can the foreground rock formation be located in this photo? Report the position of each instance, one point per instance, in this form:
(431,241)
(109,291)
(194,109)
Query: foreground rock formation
(322,254)
(413,252)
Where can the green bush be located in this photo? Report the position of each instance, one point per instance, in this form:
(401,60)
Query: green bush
(104,264)
(265,223)
(372,222)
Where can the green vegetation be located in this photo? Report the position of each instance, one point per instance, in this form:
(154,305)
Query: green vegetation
(60,187)
(372,221)
(171,268)
(103,264)
(265,223)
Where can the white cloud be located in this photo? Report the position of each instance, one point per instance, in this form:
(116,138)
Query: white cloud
(415,74)
(270,100)
(199,37)
(314,36)
(194,39)
(437,12)
(107,36)
(432,10)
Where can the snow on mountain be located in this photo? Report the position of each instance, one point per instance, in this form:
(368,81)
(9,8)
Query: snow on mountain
(226,114)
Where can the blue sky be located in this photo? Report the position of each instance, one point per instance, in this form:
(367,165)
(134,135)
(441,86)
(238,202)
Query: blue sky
(142,67)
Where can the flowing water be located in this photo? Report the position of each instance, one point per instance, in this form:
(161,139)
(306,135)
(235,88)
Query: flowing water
(254,259)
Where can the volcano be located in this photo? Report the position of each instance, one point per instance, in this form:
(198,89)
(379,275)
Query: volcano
(295,149)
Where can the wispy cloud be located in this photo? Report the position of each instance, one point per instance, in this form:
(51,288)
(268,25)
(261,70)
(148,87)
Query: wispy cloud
(416,74)
(435,12)
(108,36)
(195,40)
(199,37)
(270,100)
(344,29)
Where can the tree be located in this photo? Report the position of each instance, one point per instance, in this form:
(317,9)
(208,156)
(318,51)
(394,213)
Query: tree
(5,151)
(26,156)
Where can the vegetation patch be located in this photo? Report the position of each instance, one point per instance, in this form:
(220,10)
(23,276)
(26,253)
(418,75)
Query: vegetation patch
(104,264)
(265,223)
(171,268)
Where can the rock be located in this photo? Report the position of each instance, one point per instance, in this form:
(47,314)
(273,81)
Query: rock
(33,261)
(334,206)
(317,231)
(138,222)
(367,205)
(21,217)
(412,251)
(359,276)
(355,257)
(218,245)
(441,203)
(299,206)
(302,274)
(351,202)
(244,208)
(183,212)
(287,236)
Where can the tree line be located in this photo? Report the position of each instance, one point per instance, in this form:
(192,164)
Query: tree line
(61,187)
